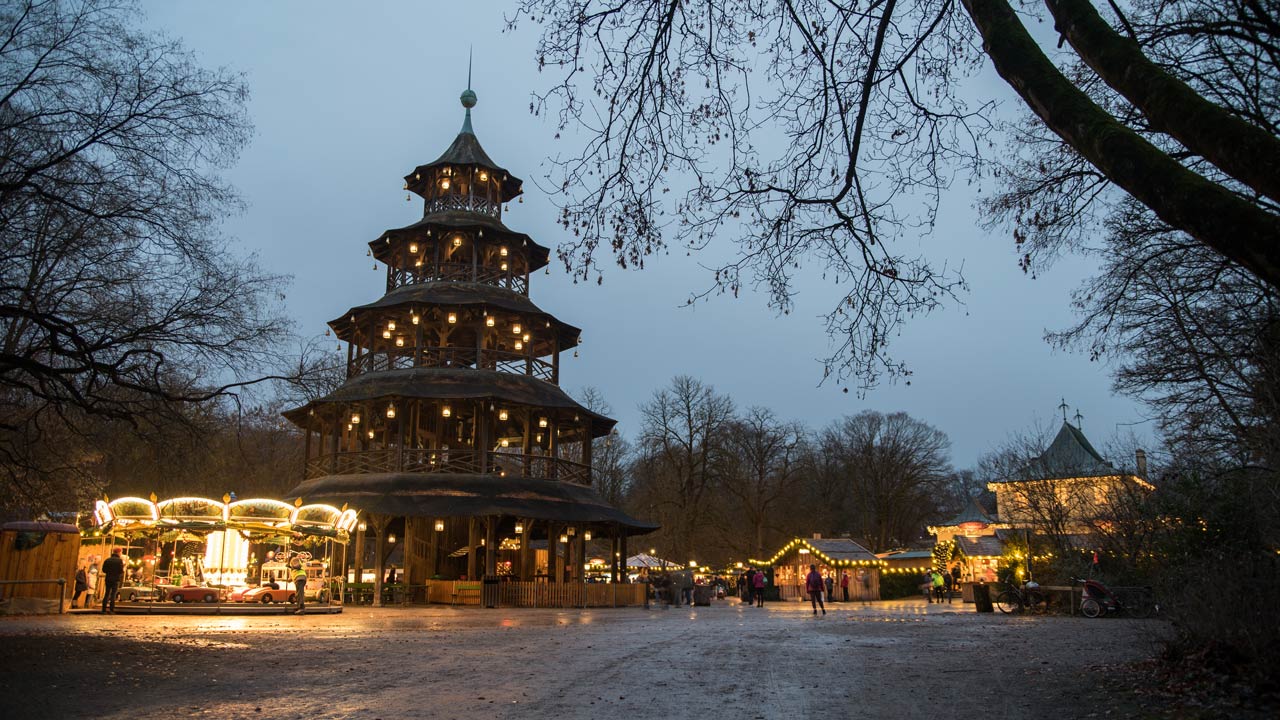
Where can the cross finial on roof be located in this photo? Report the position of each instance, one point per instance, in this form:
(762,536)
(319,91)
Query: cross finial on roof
(1063,408)
(1078,418)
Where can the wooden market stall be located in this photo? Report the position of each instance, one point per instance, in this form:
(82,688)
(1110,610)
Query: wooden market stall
(834,557)
(37,566)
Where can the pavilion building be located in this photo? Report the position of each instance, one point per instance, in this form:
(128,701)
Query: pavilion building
(451,432)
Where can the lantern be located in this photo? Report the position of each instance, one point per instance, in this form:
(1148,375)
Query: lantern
(587,536)
(515,328)
(489,321)
(542,422)
(413,248)
(453,318)
(444,184)
(399,341)
(446,411)
(439,526)
(502,414)
(355,418)
(502,251)
(519,528)
(391,411)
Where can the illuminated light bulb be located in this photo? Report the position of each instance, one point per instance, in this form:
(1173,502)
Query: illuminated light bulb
(348,427)
(391,411)
(457,241)
(526,337)
(355,418)
(502,251)
(453,318)
(538,438)
(515,329)
(400,341)
(502,414)
(391,538)
(370,434)
(446,411)
(489,322)
(484,176)
(386,334)
(542,422)
(505,442)
(417,263)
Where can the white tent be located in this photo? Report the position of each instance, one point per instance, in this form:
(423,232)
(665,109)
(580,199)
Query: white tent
(645,560)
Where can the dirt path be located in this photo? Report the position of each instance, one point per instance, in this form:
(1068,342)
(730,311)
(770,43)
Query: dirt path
(895,660)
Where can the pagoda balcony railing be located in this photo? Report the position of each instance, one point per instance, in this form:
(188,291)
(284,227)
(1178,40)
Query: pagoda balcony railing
(453,461)
(457,272)
(468,203)
(454,357)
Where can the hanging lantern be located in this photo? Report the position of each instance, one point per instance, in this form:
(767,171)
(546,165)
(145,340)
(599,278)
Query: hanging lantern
(439,526)
(505,443)
(457,241)
(391,325)
(370,434)
(413,248)
(348,427)
(489,321)
(538,438)
(526,337)
(587,536)
(444,184)
(564,538)
(391,538)
(391,411)
(355,418)
(502,251)
(446,411)
(399,341)
(416,319)
(519,345)
(571,530)
(515,329)
(504,267)
(542,422)
(386,334)
(502,414)
(519,528)
(453,318)
(484,176)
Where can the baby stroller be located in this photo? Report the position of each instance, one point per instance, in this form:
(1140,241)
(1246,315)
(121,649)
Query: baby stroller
(1098,599)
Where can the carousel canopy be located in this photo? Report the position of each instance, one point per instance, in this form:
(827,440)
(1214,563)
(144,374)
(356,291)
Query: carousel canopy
(189,517)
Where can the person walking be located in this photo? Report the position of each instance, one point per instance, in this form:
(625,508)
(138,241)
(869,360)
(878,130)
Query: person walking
(844,586)
(750,585)
(926,585)
(757,584)
(82,586)
(939,586)
(300,585)
(814,585)
(112,574)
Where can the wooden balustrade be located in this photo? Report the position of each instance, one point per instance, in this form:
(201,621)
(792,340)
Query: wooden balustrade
(463,272)
(512,363)
(461,461)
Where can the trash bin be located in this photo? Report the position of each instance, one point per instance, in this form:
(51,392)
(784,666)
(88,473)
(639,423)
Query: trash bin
(982,597)
(702,594)
(489,592)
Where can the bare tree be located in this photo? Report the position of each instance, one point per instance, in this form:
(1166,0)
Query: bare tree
(610,455)
(681,455)
(824,131)
(764,469)
(894,468)
(116,290)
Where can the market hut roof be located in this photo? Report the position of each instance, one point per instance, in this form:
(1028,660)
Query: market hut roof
(835,552)
(453,384)
(985,546)
(462,495)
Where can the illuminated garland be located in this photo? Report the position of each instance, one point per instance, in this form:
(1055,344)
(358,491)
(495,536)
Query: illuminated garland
(826,559)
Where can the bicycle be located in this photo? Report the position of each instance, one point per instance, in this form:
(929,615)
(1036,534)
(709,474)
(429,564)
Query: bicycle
(1028,597)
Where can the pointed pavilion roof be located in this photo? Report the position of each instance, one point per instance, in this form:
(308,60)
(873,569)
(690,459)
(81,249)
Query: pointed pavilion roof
(466,150)
(972,513)
(1070,455)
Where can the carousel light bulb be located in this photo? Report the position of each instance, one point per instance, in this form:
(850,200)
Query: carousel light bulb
(564,538)
(386,334)
(391,538)
(484,176)
(504,267)
(505,443)
(537,438)
(413,248)
(525,337)
(453,318)
(348,427)
(370,434)
(446,411)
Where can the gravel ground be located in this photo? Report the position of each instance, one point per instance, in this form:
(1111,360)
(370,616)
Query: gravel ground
(900,659)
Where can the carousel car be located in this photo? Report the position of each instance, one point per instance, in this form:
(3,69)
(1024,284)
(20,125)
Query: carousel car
(134,593)
(194,593)
(268,594)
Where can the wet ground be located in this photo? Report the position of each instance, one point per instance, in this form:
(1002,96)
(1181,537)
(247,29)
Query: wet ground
(900,659)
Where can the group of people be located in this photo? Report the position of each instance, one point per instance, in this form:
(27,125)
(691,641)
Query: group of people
(935,584)
(111,574)
(751,585)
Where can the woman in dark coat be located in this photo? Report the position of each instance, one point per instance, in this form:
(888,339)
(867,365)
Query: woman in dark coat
(82,586)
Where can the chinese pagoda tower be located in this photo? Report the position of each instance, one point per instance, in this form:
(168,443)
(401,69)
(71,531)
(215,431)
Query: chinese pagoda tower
(451,432)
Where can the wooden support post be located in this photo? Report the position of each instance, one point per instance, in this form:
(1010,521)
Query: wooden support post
(473,539)
(579,557)
(379,559)
(491,544)
(622,551)
(553,545)
(410,557)
(526,552)
(357,554)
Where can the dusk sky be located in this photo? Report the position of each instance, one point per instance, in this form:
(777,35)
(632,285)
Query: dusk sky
(347,98)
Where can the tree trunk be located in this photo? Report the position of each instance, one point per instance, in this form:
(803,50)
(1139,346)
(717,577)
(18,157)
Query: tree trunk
(1208,212)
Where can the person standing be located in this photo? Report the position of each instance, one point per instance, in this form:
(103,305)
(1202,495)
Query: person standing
(844,586)
(300,585)
(112,574)
(939,585)
(926,585)
(814,585)
(864,582)
(750,585)
(757,584)
(82,586)
(955,578)
(831,586)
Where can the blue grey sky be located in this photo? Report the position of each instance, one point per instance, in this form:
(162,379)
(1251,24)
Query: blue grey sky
(348,97)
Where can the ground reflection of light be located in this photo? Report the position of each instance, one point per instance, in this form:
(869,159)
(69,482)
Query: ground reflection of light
(509,623)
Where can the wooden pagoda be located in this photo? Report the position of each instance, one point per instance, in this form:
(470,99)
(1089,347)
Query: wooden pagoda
(451,431)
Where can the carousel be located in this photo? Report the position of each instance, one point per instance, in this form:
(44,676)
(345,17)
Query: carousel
(221,555)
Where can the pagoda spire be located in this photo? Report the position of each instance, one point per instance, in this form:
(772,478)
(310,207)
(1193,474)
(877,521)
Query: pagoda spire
(468,99)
